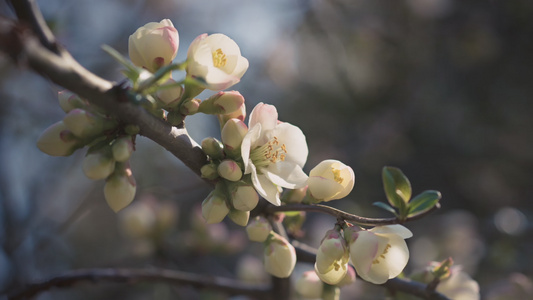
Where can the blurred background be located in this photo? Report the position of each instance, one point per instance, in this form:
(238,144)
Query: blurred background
(439,88)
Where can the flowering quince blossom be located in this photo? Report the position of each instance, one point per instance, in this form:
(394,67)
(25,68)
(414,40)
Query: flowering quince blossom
(332,258)
(216,59)
(459,286)
(380,253)
(331,180)
(309,285)
(154,45)
(280,256)
(274,153)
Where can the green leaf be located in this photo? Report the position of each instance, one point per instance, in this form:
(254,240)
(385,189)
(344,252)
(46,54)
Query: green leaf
(385,206)
(423,202)
(397,187)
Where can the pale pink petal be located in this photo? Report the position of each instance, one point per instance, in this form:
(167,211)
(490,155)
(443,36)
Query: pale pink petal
(265,114)
(322,188)
(247,142)
(294,140)
(393,229)
(286,174)
(265,187)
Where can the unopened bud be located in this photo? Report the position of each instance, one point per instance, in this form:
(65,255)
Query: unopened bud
(209,171)
(122,148)
(212,147)
(239,217)
(222,103)
(99,164)
(309,285)
(232,135)
(239,114)
(120,187)
(230,170)
(280,256)
(171,94)
(214,207)
(349,278)
(190,107)
(258,229)
(244,197)
(85,124)
(57,140)
(294,196)
(69,101)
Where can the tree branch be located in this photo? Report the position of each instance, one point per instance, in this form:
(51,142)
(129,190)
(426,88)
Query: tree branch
(20,43)
(68,279)
(344,215)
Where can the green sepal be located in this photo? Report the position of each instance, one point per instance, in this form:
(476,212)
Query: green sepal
(423,202)
(386,207)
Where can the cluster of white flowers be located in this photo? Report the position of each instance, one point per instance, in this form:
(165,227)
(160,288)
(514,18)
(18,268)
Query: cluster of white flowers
(260,158)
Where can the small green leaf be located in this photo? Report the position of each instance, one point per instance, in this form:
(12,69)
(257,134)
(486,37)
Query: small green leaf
(397,186)
(385,206)
(423,202)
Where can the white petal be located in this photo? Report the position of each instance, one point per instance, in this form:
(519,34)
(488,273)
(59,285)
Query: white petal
(322,188)
(393,229)
(333,276)
(265,187)
(397,255)
(294,140)
(363,251)
(217,79)
(265,114)
(286,174)
(241,67)
(246,146)
(378,274)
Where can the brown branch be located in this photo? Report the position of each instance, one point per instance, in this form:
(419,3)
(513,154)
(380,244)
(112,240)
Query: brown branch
(23,46)
(129,276)
(306,253)
(344,215)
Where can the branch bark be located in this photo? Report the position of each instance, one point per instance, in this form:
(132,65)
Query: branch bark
(68,279)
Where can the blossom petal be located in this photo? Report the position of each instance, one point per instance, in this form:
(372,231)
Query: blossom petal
(247,142)
(286,174)
(266,115)
(393,229)
(241,67)
(323,188)
(265,187)
(294,140)
(363,250)
(333,276)
(397,255)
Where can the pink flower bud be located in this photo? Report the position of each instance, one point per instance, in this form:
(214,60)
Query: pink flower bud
(209,171)
(69,101)
(98,165)
(332,258)
(239,217)
(280,256)
(122,148)
(244,197)
(170,95)
(120,187)
(85,124)
(230,170)
(258,229)
(154,45)
(214,207)
(190,107)
(232,135)
(309,285)
(57,140)
(239,114)
(222,103)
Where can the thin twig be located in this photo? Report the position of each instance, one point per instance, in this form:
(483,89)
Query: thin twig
(344,215)
(68,279)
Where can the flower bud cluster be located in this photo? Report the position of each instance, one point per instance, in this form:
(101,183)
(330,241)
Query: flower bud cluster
(110,146)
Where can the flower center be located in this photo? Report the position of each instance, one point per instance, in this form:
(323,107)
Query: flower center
(219,58)
(269,153)
(376,261)
(337,175)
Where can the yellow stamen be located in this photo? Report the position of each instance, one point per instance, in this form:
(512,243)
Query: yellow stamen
(337,175)
(382,255)
(219,58)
